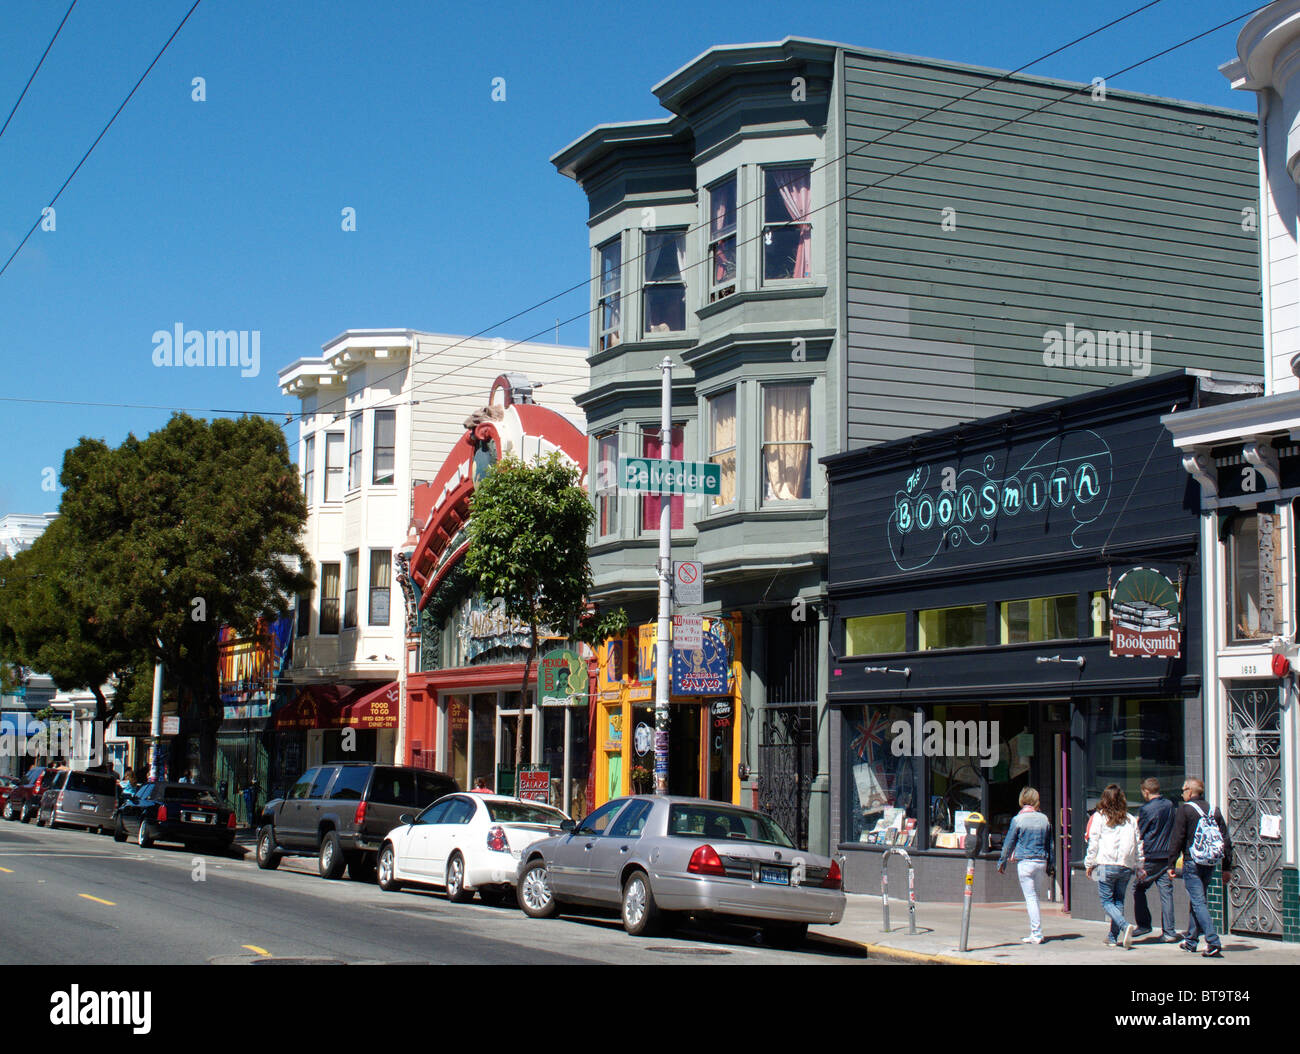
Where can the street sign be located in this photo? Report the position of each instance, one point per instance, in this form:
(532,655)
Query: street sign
(648,475)
(171,726)
(688,632)
(688,581)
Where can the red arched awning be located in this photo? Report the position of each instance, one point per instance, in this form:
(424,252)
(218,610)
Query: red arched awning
(378,709)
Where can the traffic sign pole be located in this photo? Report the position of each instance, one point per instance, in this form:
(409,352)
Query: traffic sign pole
(663,656)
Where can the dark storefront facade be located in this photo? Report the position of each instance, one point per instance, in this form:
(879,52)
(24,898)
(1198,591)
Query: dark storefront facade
(974,573)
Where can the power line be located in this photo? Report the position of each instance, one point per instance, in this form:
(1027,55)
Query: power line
(101,135)
(37,70)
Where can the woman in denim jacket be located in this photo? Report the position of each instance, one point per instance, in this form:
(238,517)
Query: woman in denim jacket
(1029,844)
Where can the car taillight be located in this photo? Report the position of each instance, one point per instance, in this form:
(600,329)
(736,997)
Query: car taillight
(230,823)
(162,813)
(360,817)
(59,803)
(705,861)
(496,839)
(833,879)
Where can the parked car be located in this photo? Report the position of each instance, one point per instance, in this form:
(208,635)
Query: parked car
(654,857)
(80,799)
(189,813)
(466,843)
(341,812)
(25,799)
(7,783)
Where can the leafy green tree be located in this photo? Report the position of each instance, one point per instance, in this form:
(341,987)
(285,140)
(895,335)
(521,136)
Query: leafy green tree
(528,533)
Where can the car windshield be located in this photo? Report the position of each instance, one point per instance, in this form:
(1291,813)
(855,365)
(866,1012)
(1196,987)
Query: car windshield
(189,793)
(523,812)
(718,822)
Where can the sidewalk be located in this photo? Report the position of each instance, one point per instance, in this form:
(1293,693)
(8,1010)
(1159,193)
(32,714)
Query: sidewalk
(996,929)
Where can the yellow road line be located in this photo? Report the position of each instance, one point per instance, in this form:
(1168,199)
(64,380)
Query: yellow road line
(97,900)
(255,948)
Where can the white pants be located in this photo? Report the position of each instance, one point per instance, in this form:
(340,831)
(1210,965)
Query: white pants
(1029,872)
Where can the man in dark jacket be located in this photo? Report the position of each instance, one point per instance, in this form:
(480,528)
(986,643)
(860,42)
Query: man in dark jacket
(1155,824)
(1197,876)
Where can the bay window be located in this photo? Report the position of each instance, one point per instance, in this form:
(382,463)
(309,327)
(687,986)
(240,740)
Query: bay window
(787,234)
(609,307)
(309,468)
(329,599)
(787,442)
(722,239)
(385,447)
(652,446)
(334,466)
(354,452)
(350,598)
(380,586)
(722,444)
(606,484)
(663,301)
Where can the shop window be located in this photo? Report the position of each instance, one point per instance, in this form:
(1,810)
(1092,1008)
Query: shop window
(350,597)
(955,787)
(579,764)
(329,599)
(787,234)
(1127,740)
(1249,610)
(1039,619)
(458,739)
(722,444)
(309,469)
(1099,604)
(722,239)
(609,307)
(664,293)
(652,446)
(1009,745)
(875,634)
(787,442)
(606,484)
(956,627)
(483,762)
(882,788)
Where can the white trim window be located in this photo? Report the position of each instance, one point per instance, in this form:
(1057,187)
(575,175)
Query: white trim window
(329,600)
(722,443)
(334,466)
(354,450)
(787,442)
(609,307)
(309,469)
(1244,593)
(722,238)
(663,296)
(384,450)
(350,597)
(381,582)
(787,232)
(606,484)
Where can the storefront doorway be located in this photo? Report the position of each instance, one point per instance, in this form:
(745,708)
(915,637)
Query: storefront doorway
(1052,780)
(683,749)
(1254,796)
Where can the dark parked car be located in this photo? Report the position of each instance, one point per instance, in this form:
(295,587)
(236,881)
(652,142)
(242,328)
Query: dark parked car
(25,799)
(341,812)
(81,799)
(7,783)
(175,812)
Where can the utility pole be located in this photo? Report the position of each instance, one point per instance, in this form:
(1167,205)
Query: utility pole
(155,726)
(663,656)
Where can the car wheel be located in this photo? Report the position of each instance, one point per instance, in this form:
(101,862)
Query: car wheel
(456,891)
(787,935)
(536,898)
(9,811)
(492,896)
(267,858)
(640,912)
(388,869)
(143,838)
(26,815)
(331,860)
(119,832)
(361,868)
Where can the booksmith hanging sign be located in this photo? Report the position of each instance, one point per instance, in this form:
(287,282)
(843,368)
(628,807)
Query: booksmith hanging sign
(1145,615)
(1063,486)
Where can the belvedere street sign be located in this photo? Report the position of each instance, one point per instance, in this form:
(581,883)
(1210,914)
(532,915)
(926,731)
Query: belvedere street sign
(651,475)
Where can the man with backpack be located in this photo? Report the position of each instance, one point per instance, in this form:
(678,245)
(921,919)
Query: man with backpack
(1201,836)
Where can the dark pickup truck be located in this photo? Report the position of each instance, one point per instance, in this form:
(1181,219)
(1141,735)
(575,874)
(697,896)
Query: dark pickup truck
(340,813)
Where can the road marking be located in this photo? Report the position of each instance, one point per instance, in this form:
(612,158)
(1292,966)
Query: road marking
(97,900)
(255,948)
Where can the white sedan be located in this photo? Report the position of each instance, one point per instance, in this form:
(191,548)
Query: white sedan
(467,843)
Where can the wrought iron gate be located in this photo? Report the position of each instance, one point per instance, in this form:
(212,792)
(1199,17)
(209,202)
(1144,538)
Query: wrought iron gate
(1254,791)
(787,764)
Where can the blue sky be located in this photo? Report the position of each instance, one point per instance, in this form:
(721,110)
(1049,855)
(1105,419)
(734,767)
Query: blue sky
(225,214)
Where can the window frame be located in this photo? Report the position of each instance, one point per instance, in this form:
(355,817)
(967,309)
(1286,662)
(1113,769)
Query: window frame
(1230,578)
(766,225)
(356,446)
(333,472)
(711,454)
(763,443)
(713,239)
(351,588)
(309,469)
(648,284)
(605,491)
(376,449)
(386,589)
(330,610)
(605,297)
(676,452)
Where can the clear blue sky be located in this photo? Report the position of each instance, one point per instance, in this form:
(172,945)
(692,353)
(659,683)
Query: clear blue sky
(225,214)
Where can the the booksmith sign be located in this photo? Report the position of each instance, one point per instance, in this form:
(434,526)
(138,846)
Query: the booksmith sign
(1062,487)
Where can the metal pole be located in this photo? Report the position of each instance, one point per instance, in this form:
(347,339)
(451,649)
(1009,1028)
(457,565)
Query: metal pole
(911,897)
(884,888)
(155,727)
(663,655)
(966,903)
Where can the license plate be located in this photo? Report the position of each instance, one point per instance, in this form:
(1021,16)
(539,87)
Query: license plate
(774,876)
(89,807)
(198,817)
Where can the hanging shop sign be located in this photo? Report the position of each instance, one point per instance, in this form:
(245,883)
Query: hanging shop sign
(1145,615)
(1062,486)
(705,670)
(562,678)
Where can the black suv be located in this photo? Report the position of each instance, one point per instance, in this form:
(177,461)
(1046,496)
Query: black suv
(341,812)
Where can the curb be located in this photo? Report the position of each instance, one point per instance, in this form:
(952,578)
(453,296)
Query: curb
(904,955)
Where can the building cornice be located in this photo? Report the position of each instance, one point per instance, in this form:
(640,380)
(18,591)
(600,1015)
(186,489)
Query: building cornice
(1233,421)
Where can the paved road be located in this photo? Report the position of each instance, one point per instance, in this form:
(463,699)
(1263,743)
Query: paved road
(68,896)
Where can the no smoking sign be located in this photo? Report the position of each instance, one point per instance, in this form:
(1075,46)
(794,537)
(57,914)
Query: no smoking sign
(688,582)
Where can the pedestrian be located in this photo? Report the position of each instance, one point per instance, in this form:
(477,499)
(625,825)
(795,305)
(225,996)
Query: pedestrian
(127,787)
(1155,824)
(1029,845)
(250,803)
(480,786)
(1115,853)
(1200,835)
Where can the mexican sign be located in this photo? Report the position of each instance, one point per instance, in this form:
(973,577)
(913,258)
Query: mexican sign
(562,678)
(535,785)
(1145,615)
(706,670)
(651,475)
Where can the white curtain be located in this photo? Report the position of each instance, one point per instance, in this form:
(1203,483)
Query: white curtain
(787,412)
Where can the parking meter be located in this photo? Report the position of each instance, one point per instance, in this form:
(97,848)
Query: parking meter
(976,827)
(976,830)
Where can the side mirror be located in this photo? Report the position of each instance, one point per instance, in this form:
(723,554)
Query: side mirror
(406,818)
(568,826)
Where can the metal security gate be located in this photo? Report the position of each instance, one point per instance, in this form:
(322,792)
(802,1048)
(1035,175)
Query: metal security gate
(1254,792)
(787,763)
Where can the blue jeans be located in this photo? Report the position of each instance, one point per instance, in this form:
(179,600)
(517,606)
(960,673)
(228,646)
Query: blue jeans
(1196,877)
(1157,875)
(1112,883)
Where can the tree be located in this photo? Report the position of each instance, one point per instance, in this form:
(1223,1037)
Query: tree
(528,533)
(192,527)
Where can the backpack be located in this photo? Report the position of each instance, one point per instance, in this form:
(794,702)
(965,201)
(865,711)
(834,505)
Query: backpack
(1207,843)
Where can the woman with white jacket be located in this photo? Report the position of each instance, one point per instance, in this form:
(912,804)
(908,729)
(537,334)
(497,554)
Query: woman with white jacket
(1115,852)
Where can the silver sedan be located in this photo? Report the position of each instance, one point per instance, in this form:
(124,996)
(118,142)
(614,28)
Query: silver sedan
(653,857)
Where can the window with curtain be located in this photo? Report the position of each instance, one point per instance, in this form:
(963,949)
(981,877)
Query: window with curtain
(664,292)
(722,443)
(607,484)
(381,561)
(651,446)
(787,442)
(722,239)
(350,598)
(309,468)
(1243,593)
(385,447)
(334,466)
(787,234)
(304,614)
(329,599)
(609,309)
(354,451)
